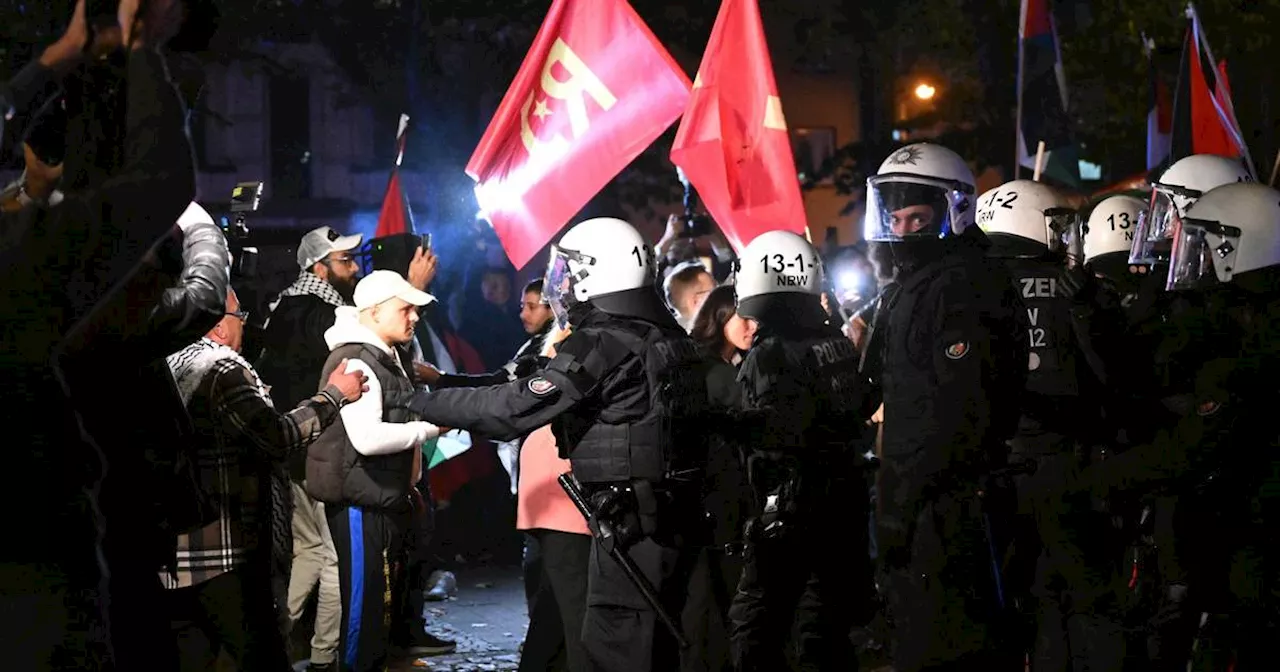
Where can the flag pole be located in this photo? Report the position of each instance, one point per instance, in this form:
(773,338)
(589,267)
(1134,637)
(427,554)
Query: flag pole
(1039,161)
(1197,29)
(1017,122)
(1275,170)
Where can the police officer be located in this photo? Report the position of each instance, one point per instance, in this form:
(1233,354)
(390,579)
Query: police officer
(1168,330)
(622,388)
(955,360)
(1066,551)
(1220,453)
(803,405)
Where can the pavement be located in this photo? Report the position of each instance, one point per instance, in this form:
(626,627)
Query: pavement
(487,618)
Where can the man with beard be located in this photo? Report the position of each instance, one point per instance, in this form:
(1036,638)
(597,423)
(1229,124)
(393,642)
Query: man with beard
(955,361)
(294,353)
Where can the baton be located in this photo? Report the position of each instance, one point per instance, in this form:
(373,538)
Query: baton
(624,561)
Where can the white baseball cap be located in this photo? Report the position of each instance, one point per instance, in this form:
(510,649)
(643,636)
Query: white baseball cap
(381,286)
(317,245)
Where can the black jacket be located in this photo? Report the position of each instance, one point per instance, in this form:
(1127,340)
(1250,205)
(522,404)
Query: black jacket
(83,369)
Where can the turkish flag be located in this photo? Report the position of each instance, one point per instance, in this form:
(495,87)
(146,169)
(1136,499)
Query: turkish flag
(733,143)
(594,91)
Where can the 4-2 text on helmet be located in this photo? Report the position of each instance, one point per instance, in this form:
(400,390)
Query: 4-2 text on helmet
(1026,209)
(921,191)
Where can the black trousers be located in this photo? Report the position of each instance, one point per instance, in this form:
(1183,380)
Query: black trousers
(362,538)
(408,559)
(777,573)
(559,605)
(620,631)
(705,621)
(232,612)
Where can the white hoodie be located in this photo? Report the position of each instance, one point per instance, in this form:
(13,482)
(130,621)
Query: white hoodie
(368,434)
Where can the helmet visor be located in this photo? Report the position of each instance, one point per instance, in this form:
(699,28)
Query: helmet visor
(557,284)
(1195,244)
(1153,237)
(910,207)
(1063,225)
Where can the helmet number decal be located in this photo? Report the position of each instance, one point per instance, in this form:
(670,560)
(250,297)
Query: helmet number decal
(1123,218)
(781,265)
(1007,203)
(642,255)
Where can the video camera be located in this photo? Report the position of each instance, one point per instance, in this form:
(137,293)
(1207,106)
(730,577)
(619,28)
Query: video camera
(696,224)
(245,198)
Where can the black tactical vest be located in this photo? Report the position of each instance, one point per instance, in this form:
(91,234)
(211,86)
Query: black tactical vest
(828,367)
(624,433)
(1051,365)
(336,473)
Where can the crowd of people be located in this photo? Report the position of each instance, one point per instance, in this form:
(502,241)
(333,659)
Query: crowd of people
(1042,441)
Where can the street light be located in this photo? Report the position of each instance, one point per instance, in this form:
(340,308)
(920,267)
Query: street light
(925,92)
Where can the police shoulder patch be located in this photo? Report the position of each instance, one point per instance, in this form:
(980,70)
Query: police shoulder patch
(1208,408)
(541,386)
(957,350)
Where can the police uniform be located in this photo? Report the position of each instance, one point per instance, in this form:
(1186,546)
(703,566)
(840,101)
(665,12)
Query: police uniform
(803,397)
(599,395)
(955,363)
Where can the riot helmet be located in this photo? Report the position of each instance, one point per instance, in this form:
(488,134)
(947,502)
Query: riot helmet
(780,278)
(1109,234)
(594,259)
(921,192)
(1027,219)
(1230,230)
(1176,190)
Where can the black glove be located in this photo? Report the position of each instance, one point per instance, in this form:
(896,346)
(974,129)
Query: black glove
(1074,283)
(614,523)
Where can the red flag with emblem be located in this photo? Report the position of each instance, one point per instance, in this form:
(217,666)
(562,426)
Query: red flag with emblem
(733,143)
(396,216)
(594,91)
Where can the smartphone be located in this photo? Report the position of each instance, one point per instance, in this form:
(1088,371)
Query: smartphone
(426,241)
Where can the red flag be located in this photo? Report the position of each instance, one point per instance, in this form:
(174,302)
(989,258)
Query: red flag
(396,216)
(733,143)
(594,91)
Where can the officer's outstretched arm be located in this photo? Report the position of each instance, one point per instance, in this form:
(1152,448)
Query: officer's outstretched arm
(777,407)
(508,411)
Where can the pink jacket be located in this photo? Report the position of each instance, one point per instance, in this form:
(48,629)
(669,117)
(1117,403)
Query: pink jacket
(541,504)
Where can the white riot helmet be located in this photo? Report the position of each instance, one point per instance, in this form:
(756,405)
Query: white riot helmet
(1230,230)
(1032,216)
(777,263)
(1176,190)
(922,191)
(1111,226)
(594,258)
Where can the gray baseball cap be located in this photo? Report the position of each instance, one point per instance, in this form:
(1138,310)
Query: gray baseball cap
(317,245)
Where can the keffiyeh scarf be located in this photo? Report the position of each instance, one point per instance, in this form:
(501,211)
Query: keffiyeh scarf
(190,365)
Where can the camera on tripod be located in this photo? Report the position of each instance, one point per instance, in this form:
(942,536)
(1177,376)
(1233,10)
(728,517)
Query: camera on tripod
(245,198)
(696,224)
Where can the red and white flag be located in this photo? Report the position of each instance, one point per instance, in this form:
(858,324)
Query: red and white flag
(595,90)
(733,143)
(396,215)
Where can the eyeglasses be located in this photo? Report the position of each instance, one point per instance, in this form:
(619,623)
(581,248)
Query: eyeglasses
(344,259)
(242,314)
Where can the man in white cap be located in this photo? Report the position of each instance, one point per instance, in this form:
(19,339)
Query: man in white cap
(294,352)
(364,467)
